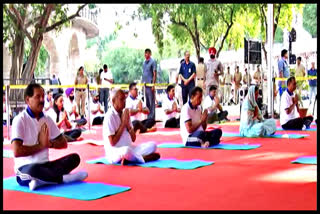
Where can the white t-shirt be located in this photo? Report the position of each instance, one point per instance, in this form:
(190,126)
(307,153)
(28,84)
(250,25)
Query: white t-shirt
(68,105)
(187,113)
(132,104)
(111,124)
(107,75)
(51,113)
(47,103)
(167,105)
(286,102)
(94,107)
(208,103)
(26,128)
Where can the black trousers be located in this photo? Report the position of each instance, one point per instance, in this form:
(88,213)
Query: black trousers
(186,90)
(74,134)
(172,123)
(143,125)
(81,122)
(296,124)
(212,136)
(98,120)
(51,171)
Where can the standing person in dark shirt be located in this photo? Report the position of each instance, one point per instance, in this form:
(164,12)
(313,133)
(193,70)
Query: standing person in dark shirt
(187,74)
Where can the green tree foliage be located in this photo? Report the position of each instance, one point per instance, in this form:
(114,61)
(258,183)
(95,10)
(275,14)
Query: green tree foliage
(194,24)
(126,65)
(30,21)
(310,19)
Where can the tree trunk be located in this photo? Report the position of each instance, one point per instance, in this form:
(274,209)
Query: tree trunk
(16,67)
(265,52)
(32,60)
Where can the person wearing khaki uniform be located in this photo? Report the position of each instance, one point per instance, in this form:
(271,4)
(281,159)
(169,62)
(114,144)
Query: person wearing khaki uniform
(237,84)
(247,80)
(257,76)
(81,93)
(201,74)
(227,85)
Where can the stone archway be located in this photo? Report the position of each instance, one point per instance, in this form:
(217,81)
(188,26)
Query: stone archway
(73,58)
(54,59)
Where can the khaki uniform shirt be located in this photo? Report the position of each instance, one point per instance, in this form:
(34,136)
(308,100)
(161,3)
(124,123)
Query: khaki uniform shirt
(300,71)
(80,80)
(237,78)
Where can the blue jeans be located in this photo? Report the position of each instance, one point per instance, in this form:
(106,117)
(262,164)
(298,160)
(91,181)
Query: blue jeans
(104,92)
(150,103)
(312,92)
(197,137)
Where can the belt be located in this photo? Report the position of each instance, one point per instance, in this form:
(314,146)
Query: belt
(200,78)
(228,84)
(80,89)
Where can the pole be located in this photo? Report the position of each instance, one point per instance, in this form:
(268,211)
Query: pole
(89,106)
(8,110)
(270,44)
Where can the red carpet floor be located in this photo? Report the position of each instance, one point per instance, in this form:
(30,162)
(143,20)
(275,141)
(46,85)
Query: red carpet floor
(258,179)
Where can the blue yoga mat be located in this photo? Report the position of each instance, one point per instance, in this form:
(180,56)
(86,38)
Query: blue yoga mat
(162,163)
(295,136)
(7,153)
(77,190)
(311,129)
(306,160)
(219,146)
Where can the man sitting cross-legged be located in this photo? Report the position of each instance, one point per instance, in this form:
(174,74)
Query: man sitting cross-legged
(212,103)
(33,133)
(119,135)
(138,111)
(193,123)
(170,109)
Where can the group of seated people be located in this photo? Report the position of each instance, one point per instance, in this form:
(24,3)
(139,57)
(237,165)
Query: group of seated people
(34,132)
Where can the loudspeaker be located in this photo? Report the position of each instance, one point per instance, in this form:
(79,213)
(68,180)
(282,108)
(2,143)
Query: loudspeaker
(254,52)
(292,59)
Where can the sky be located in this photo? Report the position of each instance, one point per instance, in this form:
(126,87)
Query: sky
(108,18)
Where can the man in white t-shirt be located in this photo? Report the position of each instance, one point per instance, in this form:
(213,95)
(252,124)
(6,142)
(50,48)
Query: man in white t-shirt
(212,103)
(289,108)
(139,111)
(33,133)
(193,123)
(70,106)
(97,113)
(48,101)
(106,79)
(170,109)
(119,135)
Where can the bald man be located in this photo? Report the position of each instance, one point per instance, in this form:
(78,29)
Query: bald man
(119,135)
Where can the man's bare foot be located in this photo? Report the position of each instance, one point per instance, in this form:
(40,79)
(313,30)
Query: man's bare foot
(205,145)
(124,162)
(153,129)
(151,157)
